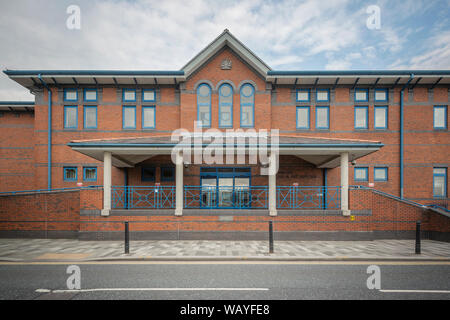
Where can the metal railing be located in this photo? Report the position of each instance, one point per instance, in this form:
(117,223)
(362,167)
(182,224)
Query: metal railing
(145,197)
(323,198)
(226,197)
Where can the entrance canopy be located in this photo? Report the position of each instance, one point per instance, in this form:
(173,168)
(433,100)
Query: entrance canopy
(321,152)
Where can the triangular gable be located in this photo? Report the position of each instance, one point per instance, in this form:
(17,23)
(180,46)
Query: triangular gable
(226,39)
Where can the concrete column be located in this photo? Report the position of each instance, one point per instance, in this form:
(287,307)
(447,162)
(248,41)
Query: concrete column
(272,184)
(344,184)
(179,184)
(106,183)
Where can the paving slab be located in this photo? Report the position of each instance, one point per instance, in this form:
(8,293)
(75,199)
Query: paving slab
(77,250)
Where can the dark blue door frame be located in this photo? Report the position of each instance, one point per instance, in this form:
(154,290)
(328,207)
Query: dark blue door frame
(224,172)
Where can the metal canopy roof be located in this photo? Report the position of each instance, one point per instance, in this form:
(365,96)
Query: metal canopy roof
(16,105)
(30,78)
(322,152)
(374,78)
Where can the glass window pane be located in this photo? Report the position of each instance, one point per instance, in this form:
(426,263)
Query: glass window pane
(322,95)
(167,174)
(361,95)
(302,117)
(129,115)
(380,174)
(360,118)
(148,117)
(90,117)
(70,174)
(380,95)
(247,115)
(439,171)
(149,95)
(439,117)
(148,174)
(70,95)
(225,115)
(302,95)
(225,91)
(90,173)
(380,117)
(360,174)
(129,95)
(71,118)
(90,95)
(439,186)
(322,118)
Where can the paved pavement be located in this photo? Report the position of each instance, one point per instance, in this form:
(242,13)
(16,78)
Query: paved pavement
(75,250)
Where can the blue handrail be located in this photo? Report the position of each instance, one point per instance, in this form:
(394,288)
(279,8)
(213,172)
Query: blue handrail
(46,190)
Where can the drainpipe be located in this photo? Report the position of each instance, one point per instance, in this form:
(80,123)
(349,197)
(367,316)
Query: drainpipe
(49,135)
(325,189)
(402,135)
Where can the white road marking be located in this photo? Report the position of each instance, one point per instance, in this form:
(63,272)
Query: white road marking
(416,291)
(149,289)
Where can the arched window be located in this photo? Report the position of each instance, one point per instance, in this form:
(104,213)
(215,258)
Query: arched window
(247,105)
(225,106)
(204,105)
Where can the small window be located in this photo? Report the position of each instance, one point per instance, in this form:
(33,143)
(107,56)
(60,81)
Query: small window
(148,117)
(167,173)
(381,117)
(361,117)
(380,174)
(90,117)
(70,173)
(302,117)
(204,105)
(440,182)
(362,95)
(148,95)
(71,117)
(148,174)
(247,106)
(303,95)
(129,117)
(322,95)
(322,117)
(90,94)
(90,173)
(129,95)
(440,117)
(70,95)
(381,95)
(361,174)
(226,106)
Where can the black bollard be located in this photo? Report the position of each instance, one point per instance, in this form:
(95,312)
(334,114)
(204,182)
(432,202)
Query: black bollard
(127,238)
(418,237)
(270,237)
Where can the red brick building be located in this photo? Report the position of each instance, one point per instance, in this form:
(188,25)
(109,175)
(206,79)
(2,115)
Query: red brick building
(387,130)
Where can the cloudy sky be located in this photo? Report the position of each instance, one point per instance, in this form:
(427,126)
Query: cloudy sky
(165,34)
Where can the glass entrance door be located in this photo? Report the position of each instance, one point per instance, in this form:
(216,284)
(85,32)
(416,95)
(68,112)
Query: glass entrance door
(225,188)
(208,190)
(225,192)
